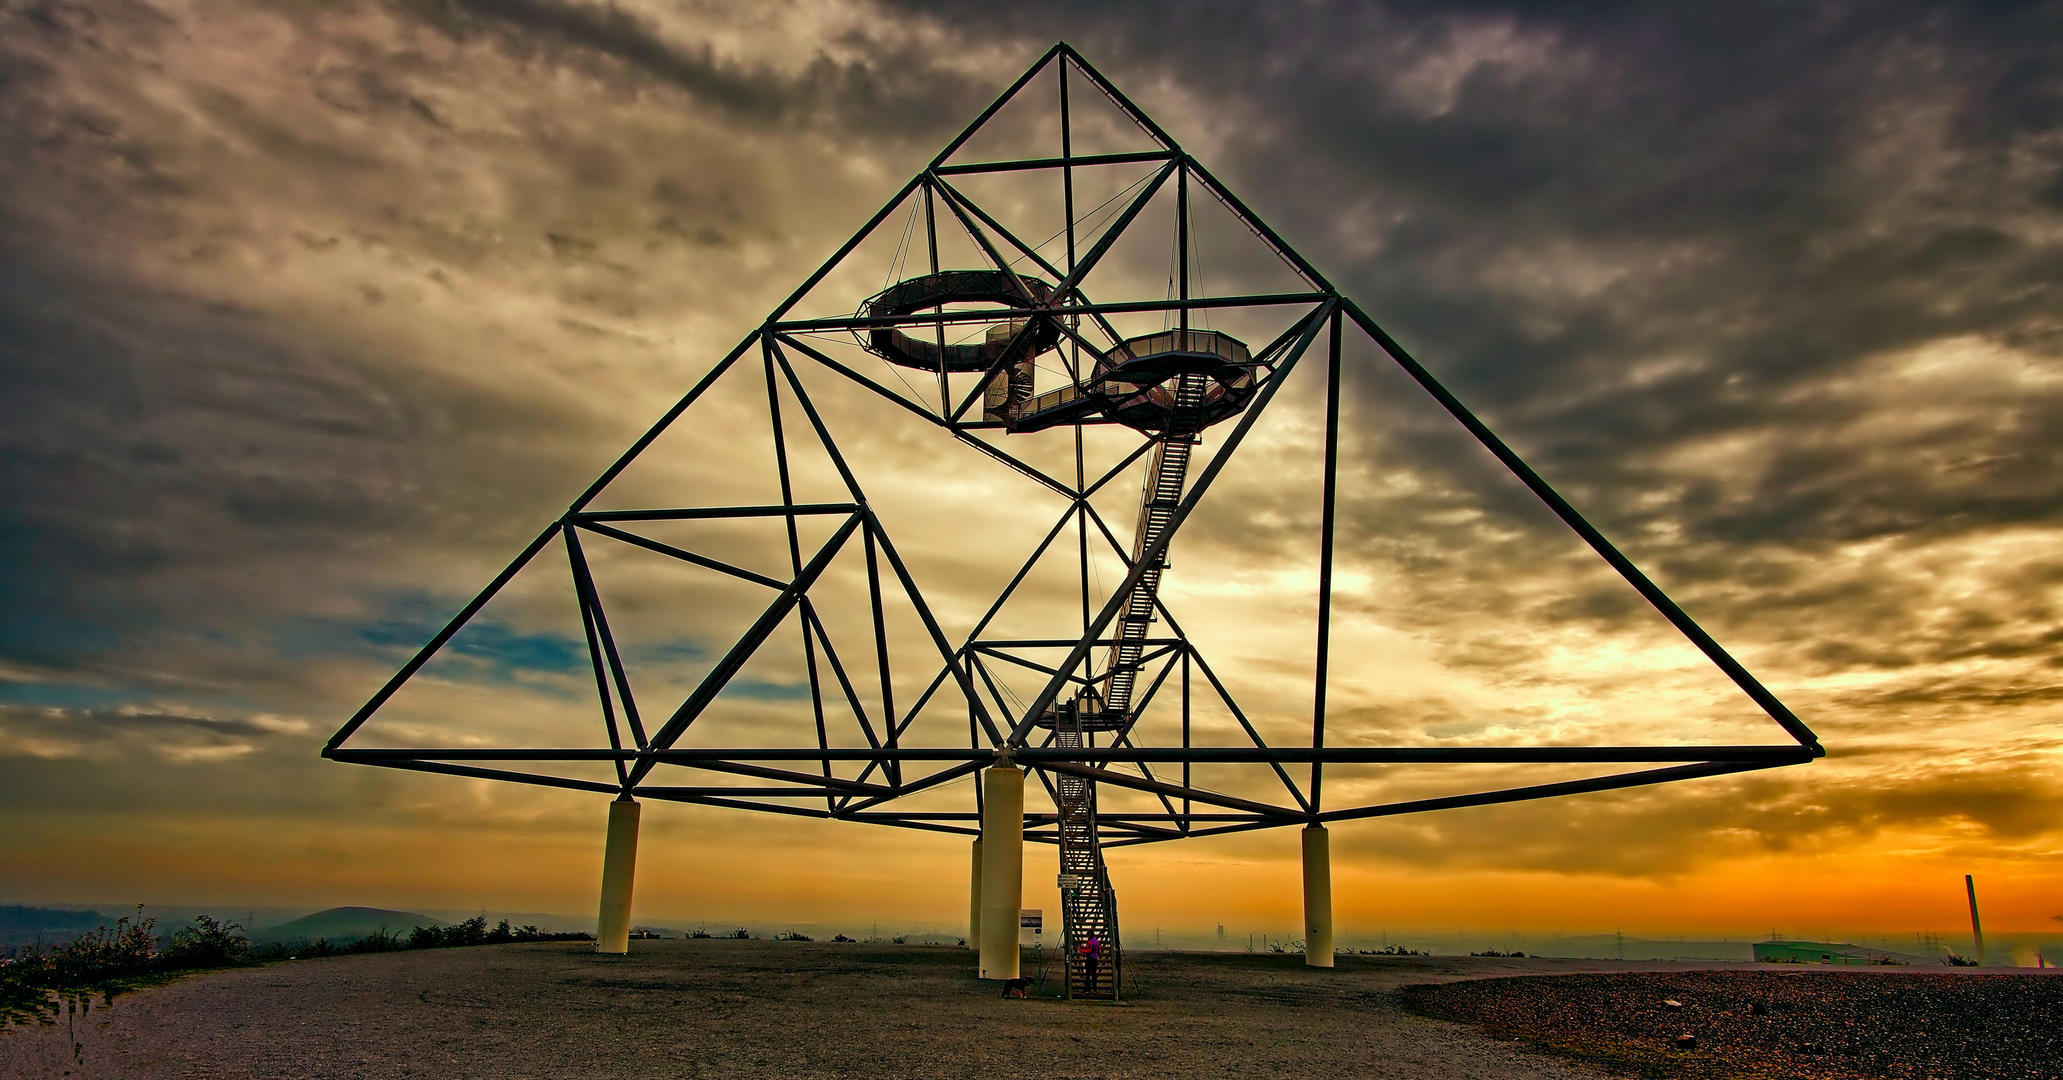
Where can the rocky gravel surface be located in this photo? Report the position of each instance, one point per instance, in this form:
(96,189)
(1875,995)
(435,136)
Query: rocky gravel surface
(1816,1024)
(743,1009)
(746,1009)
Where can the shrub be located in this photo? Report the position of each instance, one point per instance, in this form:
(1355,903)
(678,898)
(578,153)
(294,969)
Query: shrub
(120,951)
(377,941)
(207,943)
(473,931)
(35,984)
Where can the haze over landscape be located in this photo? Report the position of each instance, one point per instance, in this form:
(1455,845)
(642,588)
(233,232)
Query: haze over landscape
(312,315)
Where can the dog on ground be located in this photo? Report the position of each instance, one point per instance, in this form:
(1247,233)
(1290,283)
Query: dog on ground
(1015,987)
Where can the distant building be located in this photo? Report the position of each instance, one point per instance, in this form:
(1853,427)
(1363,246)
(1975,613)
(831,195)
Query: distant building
(1829,952)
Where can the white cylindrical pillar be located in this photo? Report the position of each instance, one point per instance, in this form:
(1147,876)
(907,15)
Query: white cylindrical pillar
(1002,869)
(974,901)
(619,870)
(1317,897)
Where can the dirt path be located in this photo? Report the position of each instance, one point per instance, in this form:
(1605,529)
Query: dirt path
(735,1009)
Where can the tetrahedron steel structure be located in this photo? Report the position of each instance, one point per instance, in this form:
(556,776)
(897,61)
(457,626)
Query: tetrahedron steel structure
(1022,344)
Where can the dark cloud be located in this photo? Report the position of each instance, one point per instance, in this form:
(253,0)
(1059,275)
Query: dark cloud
(78,729)
(148,438)
(1638,238)
(1814,170)
(141,767)
(892,88)
(288,331)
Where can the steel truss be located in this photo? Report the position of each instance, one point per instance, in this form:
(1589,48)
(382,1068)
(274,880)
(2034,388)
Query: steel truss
(807,781)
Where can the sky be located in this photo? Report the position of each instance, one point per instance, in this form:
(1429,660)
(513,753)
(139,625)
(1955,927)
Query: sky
(313,314)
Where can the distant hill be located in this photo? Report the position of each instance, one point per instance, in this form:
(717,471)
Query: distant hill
(343,923)
(28,925)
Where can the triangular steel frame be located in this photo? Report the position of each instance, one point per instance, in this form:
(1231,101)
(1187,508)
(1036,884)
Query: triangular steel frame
(892,766)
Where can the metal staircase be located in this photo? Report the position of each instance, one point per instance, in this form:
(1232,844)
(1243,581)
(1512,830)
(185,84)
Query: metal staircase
(1158,500)
(1094,955)
(1088,906)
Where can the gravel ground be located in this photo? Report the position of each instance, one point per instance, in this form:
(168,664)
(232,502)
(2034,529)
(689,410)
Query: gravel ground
(762,1009)
(1818,1024)
(741,1009)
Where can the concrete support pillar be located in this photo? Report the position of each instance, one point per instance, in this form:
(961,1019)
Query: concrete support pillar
(974,901)
(1317,897)
(1002,869)
(619,869)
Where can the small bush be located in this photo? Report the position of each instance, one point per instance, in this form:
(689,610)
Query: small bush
(375,942)
(206,944)
(474,931)
(121,951)
(34,985)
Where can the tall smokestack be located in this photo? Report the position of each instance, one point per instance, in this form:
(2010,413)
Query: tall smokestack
(1976,927)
